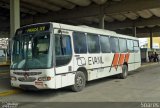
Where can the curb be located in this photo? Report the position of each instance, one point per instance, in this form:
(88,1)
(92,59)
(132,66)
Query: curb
(7,71)
(149,64)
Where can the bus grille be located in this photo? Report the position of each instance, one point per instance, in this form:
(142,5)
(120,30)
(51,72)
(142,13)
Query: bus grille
(28,73)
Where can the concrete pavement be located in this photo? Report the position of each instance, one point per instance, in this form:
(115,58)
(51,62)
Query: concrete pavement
(142,85)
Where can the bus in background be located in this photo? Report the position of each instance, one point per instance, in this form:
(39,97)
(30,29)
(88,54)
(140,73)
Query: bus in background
(54,55)
(4,57)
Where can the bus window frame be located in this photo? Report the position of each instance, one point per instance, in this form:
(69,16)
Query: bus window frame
(55,49)
(118,44)
(74,42)
(136,51)
(132,51)
(120,47)
(98,43)
(101,46)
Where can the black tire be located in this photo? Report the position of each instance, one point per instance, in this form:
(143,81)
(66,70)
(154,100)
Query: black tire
(80,82)
(124,73)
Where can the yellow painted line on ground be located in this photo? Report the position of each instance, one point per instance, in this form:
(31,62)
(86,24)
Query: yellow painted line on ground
(9,92)
(4,73)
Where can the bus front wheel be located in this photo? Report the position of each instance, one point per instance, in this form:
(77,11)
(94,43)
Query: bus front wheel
(80,82)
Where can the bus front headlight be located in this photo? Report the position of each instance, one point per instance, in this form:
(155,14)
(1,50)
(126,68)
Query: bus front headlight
(13,78)
(44,78)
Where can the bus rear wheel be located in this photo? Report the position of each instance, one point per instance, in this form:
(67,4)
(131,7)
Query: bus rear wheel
(80,82)
(124,73)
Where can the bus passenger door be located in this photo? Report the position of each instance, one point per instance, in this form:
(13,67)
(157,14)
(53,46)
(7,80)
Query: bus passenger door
(137,58)
(64,62)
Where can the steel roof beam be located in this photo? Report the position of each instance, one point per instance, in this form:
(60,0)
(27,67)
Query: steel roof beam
(139,30)
(42,4)
(131,5)
(37,9)
(24,10)
(109,9)
(130,23)
(24,7)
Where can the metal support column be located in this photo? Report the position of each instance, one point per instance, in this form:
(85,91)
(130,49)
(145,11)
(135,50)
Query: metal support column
(14,19)
(151,41)
(134,31)
(14,16)
(101,17)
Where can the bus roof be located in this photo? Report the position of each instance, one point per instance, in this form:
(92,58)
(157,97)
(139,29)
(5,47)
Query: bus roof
(86,29)
(83,28)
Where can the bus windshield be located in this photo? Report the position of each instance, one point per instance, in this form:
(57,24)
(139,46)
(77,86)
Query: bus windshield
(31,51)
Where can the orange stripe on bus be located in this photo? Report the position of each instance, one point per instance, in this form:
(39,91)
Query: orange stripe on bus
(121,60)
(115,60)
(127,57)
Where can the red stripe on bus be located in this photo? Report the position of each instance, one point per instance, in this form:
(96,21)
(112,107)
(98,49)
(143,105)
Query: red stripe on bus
(115,60)
(127,57)
(121,59)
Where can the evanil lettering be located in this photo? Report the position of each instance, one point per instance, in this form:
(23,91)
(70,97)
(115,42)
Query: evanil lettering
(95,60)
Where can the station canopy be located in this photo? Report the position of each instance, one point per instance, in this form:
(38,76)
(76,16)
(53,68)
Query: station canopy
(119,15)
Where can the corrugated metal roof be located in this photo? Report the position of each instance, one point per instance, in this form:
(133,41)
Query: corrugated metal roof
(36,7)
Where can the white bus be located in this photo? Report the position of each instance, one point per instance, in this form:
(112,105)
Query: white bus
(54,55)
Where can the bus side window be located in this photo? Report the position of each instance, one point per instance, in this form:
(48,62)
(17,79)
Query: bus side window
(79,40)
(105,45)
(136,46)
(57,46)
(122,45)
(63,53)
(93,43)
(130,46)
(114,44)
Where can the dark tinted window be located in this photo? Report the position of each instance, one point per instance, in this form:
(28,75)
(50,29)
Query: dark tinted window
(123,45)
(105,44)
(93,43)
(63,50)
(80,45)
(114,44)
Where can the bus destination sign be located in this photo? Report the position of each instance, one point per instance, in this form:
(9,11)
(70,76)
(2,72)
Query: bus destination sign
(33,29)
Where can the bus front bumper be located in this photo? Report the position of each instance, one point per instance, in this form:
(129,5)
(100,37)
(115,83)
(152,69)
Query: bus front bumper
(33,85)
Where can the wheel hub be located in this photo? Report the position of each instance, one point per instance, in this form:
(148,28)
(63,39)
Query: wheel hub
(79,81)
